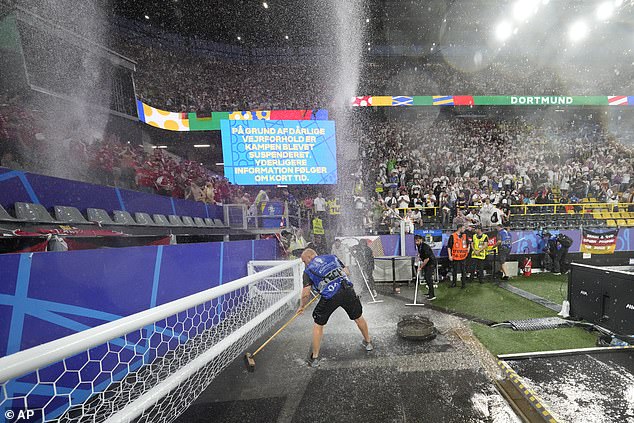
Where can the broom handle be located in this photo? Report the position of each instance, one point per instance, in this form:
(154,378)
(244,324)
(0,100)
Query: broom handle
(282,328)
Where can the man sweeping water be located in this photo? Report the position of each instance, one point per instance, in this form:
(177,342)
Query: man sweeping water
(327,275)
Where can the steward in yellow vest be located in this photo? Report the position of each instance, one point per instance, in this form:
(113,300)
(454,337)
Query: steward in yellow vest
(479,251)
(318,226)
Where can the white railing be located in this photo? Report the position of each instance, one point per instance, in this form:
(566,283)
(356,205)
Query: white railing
(218,323)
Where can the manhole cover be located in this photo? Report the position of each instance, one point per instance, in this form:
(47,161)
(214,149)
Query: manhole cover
(416,327)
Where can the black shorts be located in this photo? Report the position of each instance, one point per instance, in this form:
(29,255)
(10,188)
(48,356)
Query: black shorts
(345,298)
(503,254)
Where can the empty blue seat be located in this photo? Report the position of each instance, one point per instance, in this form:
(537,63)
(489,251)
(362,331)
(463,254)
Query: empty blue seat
(210,222)
(69,215)
(99,216)
(219,223)
(161,220)
(33,213)
(198,221)
(123,218)
(175,220)
(188,221)
(144,219)
(6,217)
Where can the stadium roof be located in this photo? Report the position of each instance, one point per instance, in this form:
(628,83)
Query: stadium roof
(384,22)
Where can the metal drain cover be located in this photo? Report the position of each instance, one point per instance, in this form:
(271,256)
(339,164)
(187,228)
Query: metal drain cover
(539,323)
(415,327)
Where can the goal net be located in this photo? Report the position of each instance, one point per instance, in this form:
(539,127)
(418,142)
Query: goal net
(148,367)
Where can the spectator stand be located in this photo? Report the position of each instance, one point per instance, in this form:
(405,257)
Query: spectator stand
(113,217)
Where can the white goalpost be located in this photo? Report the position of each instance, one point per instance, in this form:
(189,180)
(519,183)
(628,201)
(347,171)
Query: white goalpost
(150,366)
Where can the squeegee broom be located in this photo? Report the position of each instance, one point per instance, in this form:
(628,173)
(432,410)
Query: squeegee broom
(249,360)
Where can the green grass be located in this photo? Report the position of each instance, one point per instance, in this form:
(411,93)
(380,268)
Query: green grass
(487,301)
(490,302)
(508,341)
(546,285)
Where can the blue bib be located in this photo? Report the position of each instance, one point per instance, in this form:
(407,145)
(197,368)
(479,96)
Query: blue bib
(326,274)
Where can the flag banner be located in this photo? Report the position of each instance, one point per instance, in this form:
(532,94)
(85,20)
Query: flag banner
(491,100)
(423,100)
(442,100)
(595,242)
(176,121)
(161,119)
(617,100)
(463,100)
(382,100)
(402,101)
(432,237)
(361,101)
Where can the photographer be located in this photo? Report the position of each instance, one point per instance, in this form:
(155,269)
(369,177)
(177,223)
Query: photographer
(563,243)
(365,258)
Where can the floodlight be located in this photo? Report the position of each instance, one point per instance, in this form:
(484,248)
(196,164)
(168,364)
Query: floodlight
(524,9)
(503,31)
(578,31)
(605,10)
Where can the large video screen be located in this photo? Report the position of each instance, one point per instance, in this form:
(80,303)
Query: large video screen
(279,152)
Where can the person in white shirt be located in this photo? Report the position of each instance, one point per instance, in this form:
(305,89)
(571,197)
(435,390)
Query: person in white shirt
(486,213)
(472,218)
(342,251)
(319,203)
(416,218)
(403,200)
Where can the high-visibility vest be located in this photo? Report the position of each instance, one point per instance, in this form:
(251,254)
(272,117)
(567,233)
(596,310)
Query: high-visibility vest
(333,206)
(318,226)
(477,244)
(492,247)
(460,249)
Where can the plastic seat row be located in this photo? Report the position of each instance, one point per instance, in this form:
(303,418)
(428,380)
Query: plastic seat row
(29,212)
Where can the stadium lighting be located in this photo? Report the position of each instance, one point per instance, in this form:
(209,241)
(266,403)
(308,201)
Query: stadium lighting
(220,164)
(147,17)
(239,38)
(367,20)
(578,31)
(604,11)
(265,5)
(159,146)
(503,31)
(202,145)
(286,37)
(524,9)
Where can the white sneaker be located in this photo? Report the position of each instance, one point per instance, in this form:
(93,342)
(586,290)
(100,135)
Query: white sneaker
(367,345)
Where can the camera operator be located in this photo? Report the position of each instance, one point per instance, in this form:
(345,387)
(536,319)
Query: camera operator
(365,258)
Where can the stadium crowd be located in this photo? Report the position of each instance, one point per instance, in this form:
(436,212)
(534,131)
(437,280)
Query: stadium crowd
(453,164)
(28,142)
(246,82)
(407,162)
